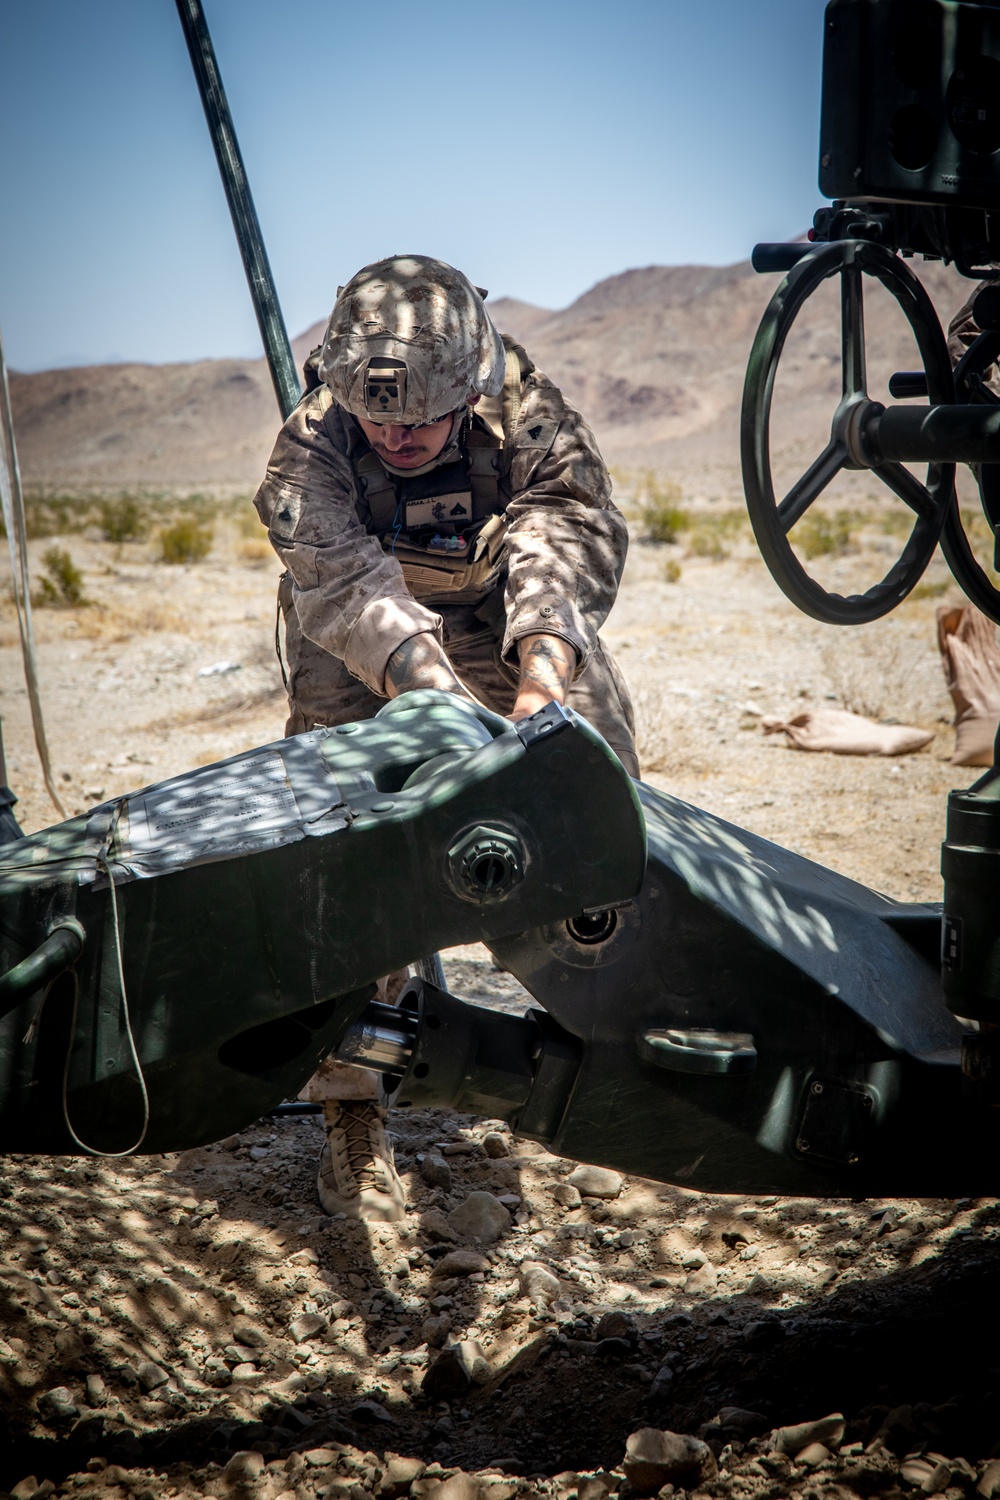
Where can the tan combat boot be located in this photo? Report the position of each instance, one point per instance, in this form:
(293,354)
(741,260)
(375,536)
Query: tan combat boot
(357,1176)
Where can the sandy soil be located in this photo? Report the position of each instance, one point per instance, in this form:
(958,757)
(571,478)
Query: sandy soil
(192,1325)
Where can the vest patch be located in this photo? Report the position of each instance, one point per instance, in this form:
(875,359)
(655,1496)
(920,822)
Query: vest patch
(439,510)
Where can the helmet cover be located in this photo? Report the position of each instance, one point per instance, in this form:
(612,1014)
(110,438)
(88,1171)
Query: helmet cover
(409,339)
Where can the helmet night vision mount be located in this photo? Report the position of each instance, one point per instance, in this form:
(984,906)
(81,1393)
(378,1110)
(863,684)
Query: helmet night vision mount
(910,154)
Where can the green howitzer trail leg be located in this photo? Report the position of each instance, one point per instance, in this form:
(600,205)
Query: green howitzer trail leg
(749,1023)
(255,902)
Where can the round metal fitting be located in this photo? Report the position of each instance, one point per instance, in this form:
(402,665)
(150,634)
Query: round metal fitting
(592,927)
(485,864)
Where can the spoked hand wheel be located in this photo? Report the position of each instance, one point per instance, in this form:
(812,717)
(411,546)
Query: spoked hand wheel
(955,545)
(850,446)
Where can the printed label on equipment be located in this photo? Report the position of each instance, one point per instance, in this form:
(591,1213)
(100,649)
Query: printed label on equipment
(247,804)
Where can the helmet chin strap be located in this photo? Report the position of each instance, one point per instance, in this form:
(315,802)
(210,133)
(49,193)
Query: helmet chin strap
(448,454)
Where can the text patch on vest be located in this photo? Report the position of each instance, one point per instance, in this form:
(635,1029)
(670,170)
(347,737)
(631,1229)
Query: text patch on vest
(439,510)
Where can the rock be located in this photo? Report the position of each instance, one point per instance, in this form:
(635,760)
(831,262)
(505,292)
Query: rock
(596,1182)
(97,1391)
(566,1196)
(71,1350)
(616,1325)
(247,1333)
(459,1486)
(319,1458)
(307,1327)
(436,1227)
(826,1430)
(654,1458)
(25,1489)
(592,1489)
(372,1411)
(916,1471)
(496,1145)
(57,1405)
(455,1370)
(612,1348)
(399,1474)
(435,1329)
(460,1263)
(989,1482)
(812,1455)
(697,1283)
(481,1217)
(304,1258)
(662,1381)
(538,1282)
(436,1172)
(694,1260)
(243,1468)
(151,1376)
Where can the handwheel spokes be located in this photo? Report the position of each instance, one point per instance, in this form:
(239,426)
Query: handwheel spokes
(910,490)
(852,330)
(805,490)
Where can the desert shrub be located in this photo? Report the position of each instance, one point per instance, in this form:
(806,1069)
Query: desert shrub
(255,550)
(930,588)
(61,586)
(671,570)
(58,515)
(705,541)
(820,535)
(185,541)
(248,523)
(122,520)
(662,514)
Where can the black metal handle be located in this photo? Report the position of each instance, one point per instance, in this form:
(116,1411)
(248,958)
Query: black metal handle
(779,257)
(60,949)
(907,383)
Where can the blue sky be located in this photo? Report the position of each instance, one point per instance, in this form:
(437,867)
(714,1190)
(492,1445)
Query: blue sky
(540,145)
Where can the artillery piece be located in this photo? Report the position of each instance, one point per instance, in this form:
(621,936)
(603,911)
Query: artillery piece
(712,1010)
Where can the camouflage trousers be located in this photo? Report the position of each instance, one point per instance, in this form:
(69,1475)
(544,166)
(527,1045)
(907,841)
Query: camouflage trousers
(321,691)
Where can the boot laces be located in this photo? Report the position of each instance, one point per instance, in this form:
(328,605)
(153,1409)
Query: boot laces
(363,1161)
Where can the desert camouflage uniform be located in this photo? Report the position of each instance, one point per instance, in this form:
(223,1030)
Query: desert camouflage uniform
(963,330)
(347,606)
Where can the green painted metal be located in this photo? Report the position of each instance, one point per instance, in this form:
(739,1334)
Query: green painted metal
(256,902)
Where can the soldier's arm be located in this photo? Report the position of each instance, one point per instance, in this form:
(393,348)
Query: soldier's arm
(566,540)
(420,662)
(548,664)
(350,596)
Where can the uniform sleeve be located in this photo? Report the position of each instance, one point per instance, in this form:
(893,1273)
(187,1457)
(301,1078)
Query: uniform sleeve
(566,539)
(350,596)
(963,330)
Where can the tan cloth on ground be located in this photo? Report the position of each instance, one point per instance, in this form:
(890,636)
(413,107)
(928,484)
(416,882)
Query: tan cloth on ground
(970,657)
(847,734)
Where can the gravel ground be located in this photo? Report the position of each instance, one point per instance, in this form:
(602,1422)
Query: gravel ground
(191,1325)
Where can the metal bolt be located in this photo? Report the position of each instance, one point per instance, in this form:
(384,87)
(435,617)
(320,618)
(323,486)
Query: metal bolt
(802,1144)
(817,1088)
(853,1159)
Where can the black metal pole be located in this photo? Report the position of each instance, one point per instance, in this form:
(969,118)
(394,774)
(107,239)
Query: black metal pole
(234,180)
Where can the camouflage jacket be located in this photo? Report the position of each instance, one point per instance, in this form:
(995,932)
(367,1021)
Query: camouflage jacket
(564,546)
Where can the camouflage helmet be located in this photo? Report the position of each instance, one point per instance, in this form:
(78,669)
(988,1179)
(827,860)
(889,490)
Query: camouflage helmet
(408,340)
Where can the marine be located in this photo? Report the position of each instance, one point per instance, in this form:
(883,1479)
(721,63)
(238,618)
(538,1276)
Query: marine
(445,520)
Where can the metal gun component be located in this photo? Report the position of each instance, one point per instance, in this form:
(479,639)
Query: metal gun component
(382,1038)
(256,902)
(750,1022)
(907,150)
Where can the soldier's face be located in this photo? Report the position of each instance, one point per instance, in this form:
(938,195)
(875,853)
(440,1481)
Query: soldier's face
(407,447)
